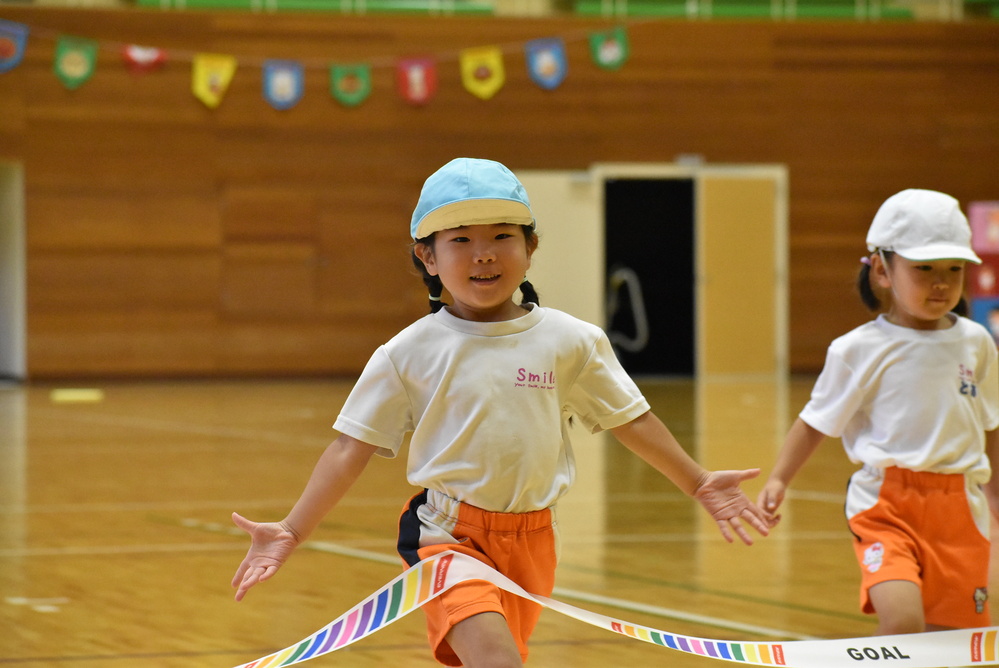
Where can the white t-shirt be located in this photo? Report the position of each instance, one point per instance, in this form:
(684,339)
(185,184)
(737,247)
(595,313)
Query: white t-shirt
(915,399)
(488,404)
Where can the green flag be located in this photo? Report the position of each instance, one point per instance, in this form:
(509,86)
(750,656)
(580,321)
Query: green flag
(610,48)
(75,60)
(350,84)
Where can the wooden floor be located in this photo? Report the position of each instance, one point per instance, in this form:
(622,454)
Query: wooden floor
(116,548)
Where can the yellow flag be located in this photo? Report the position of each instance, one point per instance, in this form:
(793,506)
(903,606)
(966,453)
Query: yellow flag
(482,71)
(211,76)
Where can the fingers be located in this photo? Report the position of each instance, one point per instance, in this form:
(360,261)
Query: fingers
(725,532)
(252,577)
(238,577)
(733,524)
(770,499)
(759,520)
(248,581)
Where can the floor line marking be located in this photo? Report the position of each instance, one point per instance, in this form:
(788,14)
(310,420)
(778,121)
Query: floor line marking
(177,426)
(85,551)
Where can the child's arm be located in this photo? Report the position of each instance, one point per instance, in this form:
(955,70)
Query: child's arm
(801,441)
(992,486)
(717,491)
(273,542)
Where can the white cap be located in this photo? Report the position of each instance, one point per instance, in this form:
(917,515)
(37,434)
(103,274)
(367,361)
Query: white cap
(922,225)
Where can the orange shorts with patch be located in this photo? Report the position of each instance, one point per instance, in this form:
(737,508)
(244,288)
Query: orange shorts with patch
(521,546)
(921,530)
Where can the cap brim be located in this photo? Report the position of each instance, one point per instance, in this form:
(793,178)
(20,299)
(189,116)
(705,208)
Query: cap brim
(472,212)
(939,252)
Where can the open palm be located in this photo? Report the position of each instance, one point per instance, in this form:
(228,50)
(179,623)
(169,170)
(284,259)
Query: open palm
(721,496)
(271,546)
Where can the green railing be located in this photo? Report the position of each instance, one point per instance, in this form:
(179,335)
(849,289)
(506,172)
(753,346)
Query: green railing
(759,9)
(344,6)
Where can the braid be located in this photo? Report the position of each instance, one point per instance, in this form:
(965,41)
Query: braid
(527,291)
(528,294)
(433,283)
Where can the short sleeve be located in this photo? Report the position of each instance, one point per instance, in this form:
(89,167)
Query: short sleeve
(603,395)
(835,399)
(378,410)
(990,386)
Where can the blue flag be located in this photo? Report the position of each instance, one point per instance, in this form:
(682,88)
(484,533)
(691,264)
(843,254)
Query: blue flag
(546,62)
(284,83)
(13,39)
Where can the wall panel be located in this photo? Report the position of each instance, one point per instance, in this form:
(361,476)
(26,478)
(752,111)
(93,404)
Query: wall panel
(165,238)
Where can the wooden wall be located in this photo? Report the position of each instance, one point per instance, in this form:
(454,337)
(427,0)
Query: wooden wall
(165,238)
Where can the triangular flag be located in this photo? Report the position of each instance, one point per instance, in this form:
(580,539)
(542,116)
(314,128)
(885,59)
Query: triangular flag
(416,79)
(610,48)
(482,71)
(350,84)
(284,83)
(140,59)
(13,39)
(210,77)
(546,62)
(75,60)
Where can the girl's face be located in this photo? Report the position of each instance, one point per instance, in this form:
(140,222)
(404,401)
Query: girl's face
(481,266)
(923,292)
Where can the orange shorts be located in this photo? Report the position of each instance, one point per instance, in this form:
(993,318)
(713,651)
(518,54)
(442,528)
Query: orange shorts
(521,546)
(921,530)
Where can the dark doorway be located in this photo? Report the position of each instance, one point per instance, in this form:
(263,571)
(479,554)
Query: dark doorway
(649,237)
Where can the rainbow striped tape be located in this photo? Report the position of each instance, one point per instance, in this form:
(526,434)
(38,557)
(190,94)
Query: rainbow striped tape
(431,577)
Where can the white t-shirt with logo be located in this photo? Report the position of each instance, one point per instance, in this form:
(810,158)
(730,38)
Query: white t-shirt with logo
(915,399)
(488,404)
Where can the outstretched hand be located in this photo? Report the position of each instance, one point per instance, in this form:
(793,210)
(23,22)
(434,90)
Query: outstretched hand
(272,544)
(720,495)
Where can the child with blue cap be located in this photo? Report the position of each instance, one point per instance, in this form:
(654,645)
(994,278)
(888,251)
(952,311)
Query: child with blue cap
(486,387)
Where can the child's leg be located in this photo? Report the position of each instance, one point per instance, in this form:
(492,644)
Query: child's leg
(484,641)
(899,607)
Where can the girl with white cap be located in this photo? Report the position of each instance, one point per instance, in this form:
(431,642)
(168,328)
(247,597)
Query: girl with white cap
(914,395)
(487,388)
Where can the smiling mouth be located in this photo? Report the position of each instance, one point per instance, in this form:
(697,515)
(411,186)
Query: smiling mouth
(491,277)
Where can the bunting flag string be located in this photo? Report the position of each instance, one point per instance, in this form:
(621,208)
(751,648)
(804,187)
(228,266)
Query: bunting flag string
(432,577)
(482,69)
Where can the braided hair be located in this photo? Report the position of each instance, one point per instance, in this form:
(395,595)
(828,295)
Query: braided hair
(435,287)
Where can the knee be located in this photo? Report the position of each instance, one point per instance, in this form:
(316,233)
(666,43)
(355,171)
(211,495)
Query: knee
(899,606)
(484,641)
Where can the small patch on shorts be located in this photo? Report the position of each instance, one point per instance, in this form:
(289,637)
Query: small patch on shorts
(981,598)
(873,557)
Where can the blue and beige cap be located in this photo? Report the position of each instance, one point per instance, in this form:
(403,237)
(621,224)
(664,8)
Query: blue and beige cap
(470,191)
